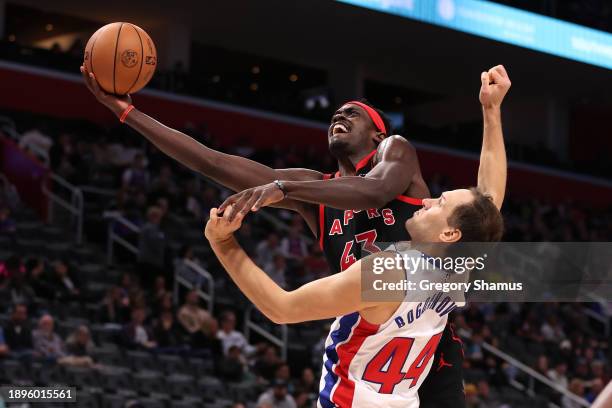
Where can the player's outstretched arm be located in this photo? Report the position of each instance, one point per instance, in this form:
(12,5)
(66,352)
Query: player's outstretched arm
(492,173)
(234,172)
(397,168)
(321,299)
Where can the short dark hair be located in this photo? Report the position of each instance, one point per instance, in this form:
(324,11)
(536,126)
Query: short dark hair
(479,220)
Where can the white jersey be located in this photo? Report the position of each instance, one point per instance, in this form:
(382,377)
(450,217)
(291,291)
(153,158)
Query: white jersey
(371,365)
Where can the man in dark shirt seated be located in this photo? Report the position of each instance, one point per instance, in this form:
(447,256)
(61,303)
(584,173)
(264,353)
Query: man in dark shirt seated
(17,332)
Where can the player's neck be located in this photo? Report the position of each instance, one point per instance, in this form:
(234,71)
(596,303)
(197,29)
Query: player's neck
(347,166)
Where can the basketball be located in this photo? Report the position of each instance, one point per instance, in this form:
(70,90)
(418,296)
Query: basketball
(122,56)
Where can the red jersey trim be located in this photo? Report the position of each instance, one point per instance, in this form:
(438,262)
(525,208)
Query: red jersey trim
(322,217)
(343,396)
(410,200)
(363,162)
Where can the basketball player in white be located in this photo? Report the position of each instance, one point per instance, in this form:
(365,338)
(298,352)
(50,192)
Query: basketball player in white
(378,353)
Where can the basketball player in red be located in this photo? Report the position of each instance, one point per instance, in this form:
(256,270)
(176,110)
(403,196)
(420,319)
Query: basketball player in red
(377,188)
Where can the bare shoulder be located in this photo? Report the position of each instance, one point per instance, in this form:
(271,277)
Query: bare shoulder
(394,147)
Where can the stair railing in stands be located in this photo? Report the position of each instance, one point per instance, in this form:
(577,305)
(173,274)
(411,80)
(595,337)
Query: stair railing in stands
(530,372)
(115,218)
(202,273)
(75,206)
(249,325)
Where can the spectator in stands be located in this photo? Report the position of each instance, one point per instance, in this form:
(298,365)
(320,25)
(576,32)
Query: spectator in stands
(558,373)
(17,332)
(9,197)
(4,349)
(8,226)
(136,334)
(36,141)
(115,306)
(266,249)
(12,266)
(551,330)
(265,365)
(151,246)
(308,383)
(277,396)
(19,290)
(159,290)
(47,343)
(233,366)
(283,374)
(185,271)
(61,155)
(277,270)
(64,282)
(166,333)
(596,386)
(37,278)
(163,184)
(230,337)
(194,319)
(293,246)
(577,387)
(79,343)
(487,397)
(136,176)
(245,237)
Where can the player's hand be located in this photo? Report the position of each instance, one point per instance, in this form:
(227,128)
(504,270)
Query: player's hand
(115,103)
(252,199)
(495,85)
(219,227)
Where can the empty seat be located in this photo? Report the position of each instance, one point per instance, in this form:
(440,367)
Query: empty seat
(13,370)
(82,377)
(113,378)
(171,363)
(180,384)
(211,386)
(87,400)
(149,381)
(140,360)
(112,401)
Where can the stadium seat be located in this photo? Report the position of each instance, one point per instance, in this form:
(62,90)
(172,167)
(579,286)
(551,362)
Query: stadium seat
(13,369)
(86,400)
(112,401)
(148,381)
(113,378)
(211,386)
(141,360)
(180,384)
(82,377)
(172,363)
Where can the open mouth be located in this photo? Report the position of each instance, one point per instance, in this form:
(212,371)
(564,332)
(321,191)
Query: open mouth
(339,128)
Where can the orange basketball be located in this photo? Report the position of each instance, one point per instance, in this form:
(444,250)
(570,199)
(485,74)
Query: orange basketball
(122,56)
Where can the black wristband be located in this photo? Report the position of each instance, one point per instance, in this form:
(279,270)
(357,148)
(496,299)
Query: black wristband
(281,187)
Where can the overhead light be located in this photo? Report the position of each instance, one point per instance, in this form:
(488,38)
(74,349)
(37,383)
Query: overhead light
(11,38)
(293,77)
(49,27)
(255,70)
(254,87)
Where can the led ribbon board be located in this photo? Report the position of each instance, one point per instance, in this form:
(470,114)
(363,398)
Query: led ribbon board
(505,24)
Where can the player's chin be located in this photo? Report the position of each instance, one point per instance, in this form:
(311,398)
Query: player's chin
(337,144)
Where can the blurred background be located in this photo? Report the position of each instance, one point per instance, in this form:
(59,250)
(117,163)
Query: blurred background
(106,281)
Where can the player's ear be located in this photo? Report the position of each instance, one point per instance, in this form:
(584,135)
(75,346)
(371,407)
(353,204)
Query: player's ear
(450,234)
(379,137)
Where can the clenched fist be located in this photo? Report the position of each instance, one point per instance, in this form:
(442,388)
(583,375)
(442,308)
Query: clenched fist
(495,85)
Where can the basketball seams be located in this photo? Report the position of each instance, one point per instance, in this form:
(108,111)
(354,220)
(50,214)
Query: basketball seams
(115,59)
(141,59)
(91,53)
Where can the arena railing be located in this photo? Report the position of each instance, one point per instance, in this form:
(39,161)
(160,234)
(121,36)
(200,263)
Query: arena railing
(209,297)
(75,206)
(250,325)
(530,372)
(114,238)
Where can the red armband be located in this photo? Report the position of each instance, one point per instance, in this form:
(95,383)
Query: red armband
(125,113)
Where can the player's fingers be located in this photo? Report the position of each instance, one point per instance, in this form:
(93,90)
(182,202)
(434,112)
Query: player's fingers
(258,204)
(502,70)
(228,201)
(496,76)
(213,214)
(227,214)
(484,78)
(248,205)
(239,204)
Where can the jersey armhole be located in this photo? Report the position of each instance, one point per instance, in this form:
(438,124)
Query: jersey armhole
(322,217)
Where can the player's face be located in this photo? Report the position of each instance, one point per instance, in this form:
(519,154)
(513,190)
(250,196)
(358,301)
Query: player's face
(350,129)
(430,223)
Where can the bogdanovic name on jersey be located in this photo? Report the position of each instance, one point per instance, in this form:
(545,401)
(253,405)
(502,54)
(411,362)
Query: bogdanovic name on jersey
(440,306)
